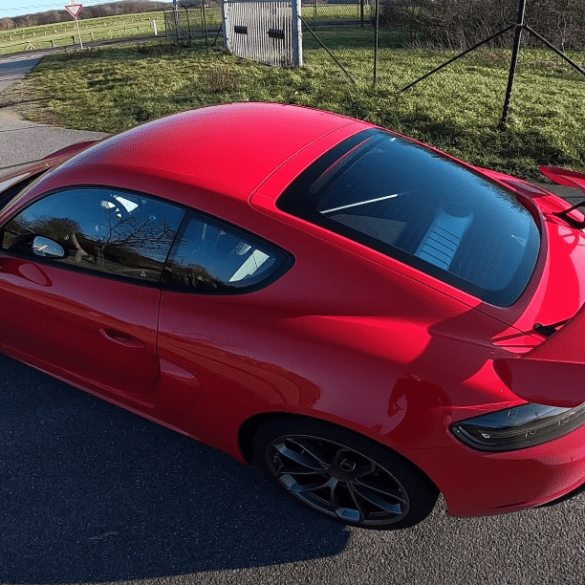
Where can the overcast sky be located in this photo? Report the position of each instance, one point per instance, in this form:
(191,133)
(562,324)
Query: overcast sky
(20,7)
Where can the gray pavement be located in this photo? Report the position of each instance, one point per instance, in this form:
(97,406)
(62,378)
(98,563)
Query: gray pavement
(90,493)
(15,67)
(23,142)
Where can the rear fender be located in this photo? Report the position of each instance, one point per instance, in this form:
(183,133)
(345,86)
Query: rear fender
(552,373)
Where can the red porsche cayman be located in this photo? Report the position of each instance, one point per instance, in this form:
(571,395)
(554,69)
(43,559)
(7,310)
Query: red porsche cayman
(371,320)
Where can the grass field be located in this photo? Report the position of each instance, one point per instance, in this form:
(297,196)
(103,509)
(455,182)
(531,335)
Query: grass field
(65,33)
(131,25)
(457,110)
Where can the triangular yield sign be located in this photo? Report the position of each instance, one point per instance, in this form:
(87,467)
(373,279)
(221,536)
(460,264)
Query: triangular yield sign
(74,9)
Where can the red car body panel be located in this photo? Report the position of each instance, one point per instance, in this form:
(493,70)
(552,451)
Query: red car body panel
(561,358)
(326,340)
(120,327)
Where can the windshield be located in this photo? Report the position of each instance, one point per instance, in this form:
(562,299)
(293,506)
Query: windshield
(424,209)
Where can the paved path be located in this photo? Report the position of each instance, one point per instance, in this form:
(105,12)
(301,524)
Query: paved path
(23,142)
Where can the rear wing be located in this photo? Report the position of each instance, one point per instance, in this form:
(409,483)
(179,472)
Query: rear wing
(72,149)
(568,178)
(552,373)
(565,177)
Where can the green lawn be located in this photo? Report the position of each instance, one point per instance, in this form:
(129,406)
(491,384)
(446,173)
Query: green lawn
(130,25)
(65,33)
(457,110)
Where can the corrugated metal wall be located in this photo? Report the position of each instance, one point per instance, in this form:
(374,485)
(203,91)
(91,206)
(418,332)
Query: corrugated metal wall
(263,30)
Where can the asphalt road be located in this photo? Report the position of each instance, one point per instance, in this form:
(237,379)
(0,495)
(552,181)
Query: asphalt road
(90,493)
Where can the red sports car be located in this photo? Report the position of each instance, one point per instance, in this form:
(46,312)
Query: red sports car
(371,320)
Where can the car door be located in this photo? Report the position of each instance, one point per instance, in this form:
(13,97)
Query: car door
(209,323)
(79,285)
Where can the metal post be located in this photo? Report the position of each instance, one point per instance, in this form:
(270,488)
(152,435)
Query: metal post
(514,63)
(297,31)
(362,13)
(376,39)
(188,25)
(79,33)
(224,22)
(314,13)
(177,28)
(204,23)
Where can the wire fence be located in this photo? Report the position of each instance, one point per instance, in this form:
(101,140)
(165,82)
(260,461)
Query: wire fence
(361,37)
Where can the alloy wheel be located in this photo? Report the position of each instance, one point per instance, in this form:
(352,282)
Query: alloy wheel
(337,480)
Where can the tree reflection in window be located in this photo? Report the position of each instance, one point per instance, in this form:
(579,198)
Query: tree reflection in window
(104,230)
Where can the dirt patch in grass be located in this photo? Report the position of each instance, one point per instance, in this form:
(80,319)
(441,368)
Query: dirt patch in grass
(24,100)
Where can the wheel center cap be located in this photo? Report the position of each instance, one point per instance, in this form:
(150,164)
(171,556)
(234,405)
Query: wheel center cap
(347,465)
(343,470)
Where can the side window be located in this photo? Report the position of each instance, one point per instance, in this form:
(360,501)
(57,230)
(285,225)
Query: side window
(103,230)
(212,257)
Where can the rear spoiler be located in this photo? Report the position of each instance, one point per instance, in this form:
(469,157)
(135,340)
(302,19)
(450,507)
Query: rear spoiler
(552,373)
(568,178)
(72,149)
(565,177)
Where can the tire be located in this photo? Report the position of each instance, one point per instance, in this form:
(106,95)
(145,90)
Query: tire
(342,475)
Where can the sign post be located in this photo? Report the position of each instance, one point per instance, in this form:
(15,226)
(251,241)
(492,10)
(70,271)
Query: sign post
(74,8)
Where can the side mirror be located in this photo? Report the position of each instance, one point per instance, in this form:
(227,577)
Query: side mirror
(47,248)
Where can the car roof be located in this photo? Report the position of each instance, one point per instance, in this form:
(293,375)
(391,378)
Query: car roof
(236,146)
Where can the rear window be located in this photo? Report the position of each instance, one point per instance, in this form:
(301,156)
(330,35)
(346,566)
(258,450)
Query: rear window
(424,209)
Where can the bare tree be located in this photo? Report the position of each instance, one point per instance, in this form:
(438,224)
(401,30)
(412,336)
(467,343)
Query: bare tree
(459,24)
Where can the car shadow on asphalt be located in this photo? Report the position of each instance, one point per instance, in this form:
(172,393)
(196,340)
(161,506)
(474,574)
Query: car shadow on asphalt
(90,492)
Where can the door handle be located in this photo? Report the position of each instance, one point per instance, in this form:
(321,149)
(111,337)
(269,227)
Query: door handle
(121,338)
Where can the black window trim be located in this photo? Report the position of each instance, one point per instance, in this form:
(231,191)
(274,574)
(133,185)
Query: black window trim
(287,263)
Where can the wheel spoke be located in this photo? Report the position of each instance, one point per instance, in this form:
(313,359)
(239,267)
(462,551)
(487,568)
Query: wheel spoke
(382,489)
(374,498)
(309,449)
(339,510)
(332,484)
(365,469)
(347,514)
(293,486)
(340,454)
(356,501)
(299,471)
(303,459)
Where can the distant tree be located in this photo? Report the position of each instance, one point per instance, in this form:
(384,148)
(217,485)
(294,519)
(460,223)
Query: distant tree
(91,12)
(44,17)
(101,10)
(6,24)
(26,20)
(104,10)
(53,16)
(460,24)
